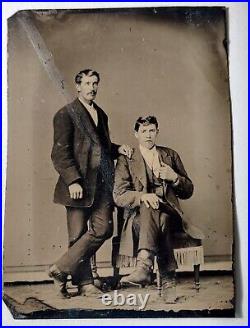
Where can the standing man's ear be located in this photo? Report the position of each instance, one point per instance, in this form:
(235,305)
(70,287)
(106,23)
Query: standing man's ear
(77,85)
(136,134)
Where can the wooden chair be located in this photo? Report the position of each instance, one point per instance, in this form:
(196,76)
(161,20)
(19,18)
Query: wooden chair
(187,250)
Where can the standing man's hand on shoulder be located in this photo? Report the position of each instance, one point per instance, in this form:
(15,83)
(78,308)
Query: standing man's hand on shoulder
(76,191)
(125,150)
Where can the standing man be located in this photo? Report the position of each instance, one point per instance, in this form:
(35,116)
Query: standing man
(83,156)
(148,186)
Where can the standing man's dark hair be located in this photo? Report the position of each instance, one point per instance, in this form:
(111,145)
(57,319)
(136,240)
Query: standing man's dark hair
(87,72)
(83,156)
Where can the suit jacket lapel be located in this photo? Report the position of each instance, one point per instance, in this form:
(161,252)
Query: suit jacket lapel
(164,156)
(81,118)
(139,167)
(101,121)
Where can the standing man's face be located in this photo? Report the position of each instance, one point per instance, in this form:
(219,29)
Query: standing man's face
(147,135)
(87,90)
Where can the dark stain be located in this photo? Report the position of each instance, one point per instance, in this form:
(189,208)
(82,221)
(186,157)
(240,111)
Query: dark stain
(217,187)
(210,176)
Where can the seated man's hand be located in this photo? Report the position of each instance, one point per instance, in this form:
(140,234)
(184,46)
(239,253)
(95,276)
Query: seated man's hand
(125,150)
(76,191)
(151,200)
(167,173)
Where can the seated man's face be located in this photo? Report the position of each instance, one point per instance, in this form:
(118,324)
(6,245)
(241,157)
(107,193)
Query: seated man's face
(146,135)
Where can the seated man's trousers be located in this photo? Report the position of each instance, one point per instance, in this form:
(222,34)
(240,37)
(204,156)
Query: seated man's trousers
(153,231)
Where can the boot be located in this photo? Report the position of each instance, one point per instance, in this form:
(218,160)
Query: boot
(60,281)
(141,276)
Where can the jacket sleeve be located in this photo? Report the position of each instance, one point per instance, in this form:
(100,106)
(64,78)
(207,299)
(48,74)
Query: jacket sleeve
(114,151)
(124,192)
(184,187)
(62,152)
(114,147)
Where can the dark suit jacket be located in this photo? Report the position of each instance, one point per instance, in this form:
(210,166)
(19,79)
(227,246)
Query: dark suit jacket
(131,183)
(78,153)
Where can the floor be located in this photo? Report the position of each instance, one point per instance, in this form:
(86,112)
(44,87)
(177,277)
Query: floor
(39,300)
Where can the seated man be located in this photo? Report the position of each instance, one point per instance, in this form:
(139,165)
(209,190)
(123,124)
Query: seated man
(148,186)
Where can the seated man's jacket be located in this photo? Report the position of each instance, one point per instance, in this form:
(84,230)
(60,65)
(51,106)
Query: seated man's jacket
(131,183)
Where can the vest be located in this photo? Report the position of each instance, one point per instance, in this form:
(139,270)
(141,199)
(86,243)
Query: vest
(105,170)
(155,185)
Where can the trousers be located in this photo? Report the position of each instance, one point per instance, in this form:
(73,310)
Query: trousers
(153,231)
(84,241)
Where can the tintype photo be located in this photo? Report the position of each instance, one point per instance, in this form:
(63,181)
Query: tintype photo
(119,190)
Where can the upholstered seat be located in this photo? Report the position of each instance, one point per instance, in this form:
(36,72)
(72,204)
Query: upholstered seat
(187,250)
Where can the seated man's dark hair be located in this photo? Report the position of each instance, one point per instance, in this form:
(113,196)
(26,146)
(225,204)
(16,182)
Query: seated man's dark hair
(145,121)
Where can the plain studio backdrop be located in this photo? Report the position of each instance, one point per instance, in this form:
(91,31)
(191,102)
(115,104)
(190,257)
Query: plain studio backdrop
(172,65)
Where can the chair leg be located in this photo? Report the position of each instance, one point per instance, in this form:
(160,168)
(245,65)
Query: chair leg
(158,278)
(94,267)
(197,276)
(158,282)
(116,272)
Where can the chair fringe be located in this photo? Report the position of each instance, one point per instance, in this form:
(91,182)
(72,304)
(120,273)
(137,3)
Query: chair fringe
(183,256)
(189,255)
(124,261)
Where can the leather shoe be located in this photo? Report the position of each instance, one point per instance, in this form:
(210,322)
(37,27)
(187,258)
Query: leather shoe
(140,277)
(60,281)
(90,290)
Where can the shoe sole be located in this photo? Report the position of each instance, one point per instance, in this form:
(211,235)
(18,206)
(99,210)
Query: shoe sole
(133,284)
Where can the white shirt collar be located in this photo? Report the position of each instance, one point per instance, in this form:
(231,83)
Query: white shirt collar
(85,104)
(91,109)
(145,150)
(151,158)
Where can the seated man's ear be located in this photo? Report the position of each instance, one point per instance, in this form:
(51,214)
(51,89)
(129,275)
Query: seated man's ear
(136,134)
